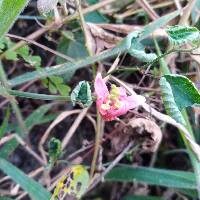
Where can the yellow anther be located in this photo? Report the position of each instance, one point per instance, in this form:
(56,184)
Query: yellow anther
(105,106)
(114,92)
(117,104)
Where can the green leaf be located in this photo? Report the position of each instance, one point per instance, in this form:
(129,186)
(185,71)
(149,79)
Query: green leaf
(35,118)
(23,51)
(162,21)
(138,50)
(82,94)
(134,197)
(95,16)
(169,101)
(54,150)
(179,35)
(185,92)
(34,189)
(153,176)
(11,55)
(9,11)
(63,89)
(4,124)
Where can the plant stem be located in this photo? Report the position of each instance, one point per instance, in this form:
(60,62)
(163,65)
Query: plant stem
(14,105)
(96,146)
(30,95)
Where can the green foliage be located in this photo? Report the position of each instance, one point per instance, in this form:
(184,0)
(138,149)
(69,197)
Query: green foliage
(82,94)
(9,11)
(153,176)
(169,101)
(68,67)
(34,189)
(4,124)
(138,50)
(134,197)
(56,84)
(185,92)
(178,93)
(54,150)
(179,35)
(35,118)
(96,16)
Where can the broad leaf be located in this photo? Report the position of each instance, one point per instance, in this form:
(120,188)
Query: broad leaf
(179,35)
(169,101)
(184,91)
(34,189)
(9,11)
(152,176)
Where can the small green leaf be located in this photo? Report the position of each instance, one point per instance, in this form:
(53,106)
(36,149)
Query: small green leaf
(82,94)
(11,55)
(63,89)
(55,150)
(23,51)
(179,35)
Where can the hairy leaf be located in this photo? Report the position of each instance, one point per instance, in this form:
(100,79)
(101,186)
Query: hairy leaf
(179,35)
(169,101)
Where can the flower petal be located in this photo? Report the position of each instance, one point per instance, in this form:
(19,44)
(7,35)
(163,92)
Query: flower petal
(100,87)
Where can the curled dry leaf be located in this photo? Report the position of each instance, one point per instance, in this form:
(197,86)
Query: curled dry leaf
(147,131)
(102,39)
(142,131)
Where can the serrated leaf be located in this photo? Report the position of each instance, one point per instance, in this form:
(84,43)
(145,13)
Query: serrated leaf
(81,94)
(179,35)
(169,102)
(34,189)
(153,176)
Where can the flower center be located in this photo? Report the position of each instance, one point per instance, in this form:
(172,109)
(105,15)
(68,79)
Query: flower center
(113,99)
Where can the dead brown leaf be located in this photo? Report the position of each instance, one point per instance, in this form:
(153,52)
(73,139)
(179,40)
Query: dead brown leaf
(144,132)
(147,132)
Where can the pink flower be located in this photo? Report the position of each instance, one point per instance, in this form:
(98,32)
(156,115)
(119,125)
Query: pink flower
(115,102)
